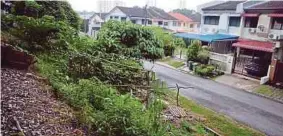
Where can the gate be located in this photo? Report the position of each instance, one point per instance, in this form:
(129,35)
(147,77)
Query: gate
(252,63)
(241,62)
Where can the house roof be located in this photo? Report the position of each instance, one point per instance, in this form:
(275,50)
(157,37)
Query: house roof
(133,11)
(181,17)
(229,5)
(159,14)
(269,5)
(101,15)
(196,17)
(254,45)
(151,12)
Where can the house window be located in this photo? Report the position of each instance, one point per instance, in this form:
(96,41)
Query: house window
(133,21)
(191,25)
(165,23)
(179,23)
(277,23)
(149,22)
(97,23)
(123,18)
(111,17)
(160,23)
(251,22)
(174,23)
(184,24)
(234,21)
(211,20)
(116,17)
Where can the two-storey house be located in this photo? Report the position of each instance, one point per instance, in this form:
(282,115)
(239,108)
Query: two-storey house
(258,24)
(94,23)
(259,50)
(150,16)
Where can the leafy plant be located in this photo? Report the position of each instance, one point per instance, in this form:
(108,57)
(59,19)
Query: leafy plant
(60,10)
(205,70)
(203,56)
(193,51)
(125,38)
(37,34)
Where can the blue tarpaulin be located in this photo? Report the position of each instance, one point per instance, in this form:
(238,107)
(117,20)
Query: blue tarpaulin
(207,37)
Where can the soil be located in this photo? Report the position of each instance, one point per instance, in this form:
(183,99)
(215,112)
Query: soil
(29,107)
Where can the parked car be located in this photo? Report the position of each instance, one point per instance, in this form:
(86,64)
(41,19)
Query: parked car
(256,68)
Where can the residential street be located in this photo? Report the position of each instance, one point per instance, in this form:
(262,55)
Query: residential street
(258,112)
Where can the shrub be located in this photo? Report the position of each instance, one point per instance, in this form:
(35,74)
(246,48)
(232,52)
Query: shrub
(203,56)
(205,70)
(113,71)
(193,51)
(125,38)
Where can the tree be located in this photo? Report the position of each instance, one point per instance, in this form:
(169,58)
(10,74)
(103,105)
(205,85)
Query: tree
(60,10)
(131,40)
(179,42)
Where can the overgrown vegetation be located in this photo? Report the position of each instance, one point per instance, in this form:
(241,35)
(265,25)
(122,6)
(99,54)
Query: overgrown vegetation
(200,54)
(87,73)
(168,41)
(129,40)
(98,79)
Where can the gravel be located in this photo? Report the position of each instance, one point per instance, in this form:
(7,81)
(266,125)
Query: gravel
(28,107)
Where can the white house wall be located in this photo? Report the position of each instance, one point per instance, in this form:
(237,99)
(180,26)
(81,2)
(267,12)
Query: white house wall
(264,20)
(115,12)
(223,26)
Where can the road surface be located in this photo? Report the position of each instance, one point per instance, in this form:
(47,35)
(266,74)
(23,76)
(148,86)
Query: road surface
(260,113)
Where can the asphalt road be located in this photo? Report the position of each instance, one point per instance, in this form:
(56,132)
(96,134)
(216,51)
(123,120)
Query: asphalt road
(260,113)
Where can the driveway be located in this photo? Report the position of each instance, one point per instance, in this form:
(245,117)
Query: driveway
(260,113)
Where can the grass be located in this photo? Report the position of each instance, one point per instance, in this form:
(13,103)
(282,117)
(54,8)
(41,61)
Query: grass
(216,121)
(264,90)
(270,91)
(172,62)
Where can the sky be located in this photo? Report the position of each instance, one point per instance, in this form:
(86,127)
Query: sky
(167,5)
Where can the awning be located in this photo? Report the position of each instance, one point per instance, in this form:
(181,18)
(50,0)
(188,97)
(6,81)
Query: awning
(207,37)
(275,15)
(254,45)
(250,15)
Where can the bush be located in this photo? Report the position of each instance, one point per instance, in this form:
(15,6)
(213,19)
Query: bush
(131,40)
(205,70)
(193,50)
(113,71)
(203,56)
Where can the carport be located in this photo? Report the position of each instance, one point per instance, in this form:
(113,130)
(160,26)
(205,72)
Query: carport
(219,43)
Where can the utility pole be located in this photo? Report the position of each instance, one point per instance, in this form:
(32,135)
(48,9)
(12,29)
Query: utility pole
(145,8)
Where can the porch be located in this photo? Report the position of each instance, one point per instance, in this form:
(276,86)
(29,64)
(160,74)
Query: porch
(252,58)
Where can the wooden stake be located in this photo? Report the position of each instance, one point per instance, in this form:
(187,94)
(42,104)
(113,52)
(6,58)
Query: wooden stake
(178,91)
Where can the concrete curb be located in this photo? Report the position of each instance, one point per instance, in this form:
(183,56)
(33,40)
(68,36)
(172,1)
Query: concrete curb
(270,98)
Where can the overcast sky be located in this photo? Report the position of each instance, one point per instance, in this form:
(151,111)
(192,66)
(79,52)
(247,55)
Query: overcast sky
(167,5)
